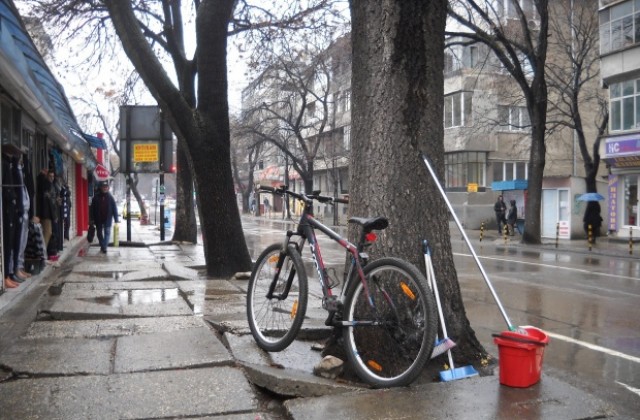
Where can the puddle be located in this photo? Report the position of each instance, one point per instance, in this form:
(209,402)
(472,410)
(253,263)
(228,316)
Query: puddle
(135,297)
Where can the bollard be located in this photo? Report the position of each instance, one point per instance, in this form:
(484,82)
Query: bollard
(505,232)
(557,233)
(589,236)
(630,240)
(481,231)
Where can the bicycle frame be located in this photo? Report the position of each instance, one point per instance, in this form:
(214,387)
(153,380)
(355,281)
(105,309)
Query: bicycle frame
(306,230)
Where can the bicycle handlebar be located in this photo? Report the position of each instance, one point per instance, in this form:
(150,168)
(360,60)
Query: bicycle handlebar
(282,190)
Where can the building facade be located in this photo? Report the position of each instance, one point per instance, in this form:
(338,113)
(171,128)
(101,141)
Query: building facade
(620,70)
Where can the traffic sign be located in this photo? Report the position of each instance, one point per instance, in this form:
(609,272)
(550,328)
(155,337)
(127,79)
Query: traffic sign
(101,173)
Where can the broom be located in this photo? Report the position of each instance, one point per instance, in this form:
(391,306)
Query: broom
(445,343)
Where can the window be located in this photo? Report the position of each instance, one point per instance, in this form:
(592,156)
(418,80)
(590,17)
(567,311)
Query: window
(346,137)
(513,118)
(473,56)
(347,100)
(344,101)
(462,168)
(624,100)
(457,109)
(620,26)
(507,8)
(509,171)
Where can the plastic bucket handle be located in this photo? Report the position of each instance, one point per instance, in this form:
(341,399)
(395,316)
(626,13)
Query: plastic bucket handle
(519,340)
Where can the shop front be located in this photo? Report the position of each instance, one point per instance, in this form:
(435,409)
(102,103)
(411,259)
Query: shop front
(622,155)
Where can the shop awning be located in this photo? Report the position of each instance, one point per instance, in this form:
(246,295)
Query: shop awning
(515,184)
(94,141)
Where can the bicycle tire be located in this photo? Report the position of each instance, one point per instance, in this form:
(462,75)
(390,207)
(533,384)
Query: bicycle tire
(393,352)
(275,322)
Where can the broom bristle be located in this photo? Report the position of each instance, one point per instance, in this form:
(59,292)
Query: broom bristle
(442,346)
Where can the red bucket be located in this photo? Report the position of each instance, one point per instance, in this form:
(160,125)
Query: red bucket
(520,356)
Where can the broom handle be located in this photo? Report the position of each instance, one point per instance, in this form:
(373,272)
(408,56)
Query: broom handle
(432,275)
(464,235)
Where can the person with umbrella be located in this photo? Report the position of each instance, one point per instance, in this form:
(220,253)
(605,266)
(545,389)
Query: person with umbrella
(592,218)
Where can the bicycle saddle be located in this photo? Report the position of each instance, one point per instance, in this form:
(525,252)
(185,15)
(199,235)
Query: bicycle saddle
(371,223)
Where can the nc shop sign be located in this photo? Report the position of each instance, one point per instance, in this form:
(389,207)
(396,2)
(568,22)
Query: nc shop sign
(622,147)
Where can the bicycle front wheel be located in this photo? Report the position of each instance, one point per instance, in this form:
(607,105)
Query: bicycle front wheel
(276,321)
(390,336)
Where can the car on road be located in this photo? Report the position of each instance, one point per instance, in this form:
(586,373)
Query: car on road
(135,209)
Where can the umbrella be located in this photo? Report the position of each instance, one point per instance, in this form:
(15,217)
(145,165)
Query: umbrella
(591,197)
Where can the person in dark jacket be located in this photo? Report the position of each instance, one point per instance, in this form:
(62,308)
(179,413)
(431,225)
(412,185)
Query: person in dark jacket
(103,211)
(500,208)
(512,217)
(592,217)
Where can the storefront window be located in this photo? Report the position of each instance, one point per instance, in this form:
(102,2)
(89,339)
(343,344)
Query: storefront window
(463,168)
(631,200)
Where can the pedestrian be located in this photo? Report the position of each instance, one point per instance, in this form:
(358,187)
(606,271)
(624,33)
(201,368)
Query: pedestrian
(46,208)
(103,211)
(500,208)
(267,206)
(512,217)
(592,218)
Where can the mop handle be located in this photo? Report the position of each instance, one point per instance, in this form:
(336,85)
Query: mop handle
(464,235)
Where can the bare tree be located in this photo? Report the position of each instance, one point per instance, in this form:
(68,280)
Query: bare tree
(506,27)
(398,63)
(291,104)
(574,80)
(153,33)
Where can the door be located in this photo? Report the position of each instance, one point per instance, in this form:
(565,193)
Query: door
(549,213)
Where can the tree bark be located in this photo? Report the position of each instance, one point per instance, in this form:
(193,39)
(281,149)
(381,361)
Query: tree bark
(186,228)
(398,59)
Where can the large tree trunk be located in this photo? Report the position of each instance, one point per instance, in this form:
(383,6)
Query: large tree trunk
(204,130)
(186,228)
(398,59)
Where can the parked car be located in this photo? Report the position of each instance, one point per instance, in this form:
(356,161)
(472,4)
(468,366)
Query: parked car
(135,209)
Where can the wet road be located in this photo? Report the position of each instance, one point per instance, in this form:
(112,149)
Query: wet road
(588,304)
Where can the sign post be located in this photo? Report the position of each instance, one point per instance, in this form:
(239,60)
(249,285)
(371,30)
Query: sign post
(146,146)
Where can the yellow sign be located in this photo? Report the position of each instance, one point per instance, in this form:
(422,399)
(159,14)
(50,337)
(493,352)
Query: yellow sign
(147,152)
(472,187)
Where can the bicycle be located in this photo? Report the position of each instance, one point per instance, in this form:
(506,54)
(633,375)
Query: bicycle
(385,309)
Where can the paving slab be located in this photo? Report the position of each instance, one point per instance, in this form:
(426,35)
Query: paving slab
(113,267)
(190,348)
(218,391)
(474,398)
(165,247)
(103,328)
(295,383)
(97,304)
(150,274)
(59,356)
(178,270)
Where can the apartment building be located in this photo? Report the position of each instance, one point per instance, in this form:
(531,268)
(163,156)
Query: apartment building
(620,72)
(487,134)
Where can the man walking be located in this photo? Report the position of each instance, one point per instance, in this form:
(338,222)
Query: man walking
(103,210)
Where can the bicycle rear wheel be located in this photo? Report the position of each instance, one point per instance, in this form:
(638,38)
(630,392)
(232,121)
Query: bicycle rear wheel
(390,339)
(275,322)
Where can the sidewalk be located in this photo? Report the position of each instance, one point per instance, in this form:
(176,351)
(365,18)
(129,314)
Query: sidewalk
(124,336)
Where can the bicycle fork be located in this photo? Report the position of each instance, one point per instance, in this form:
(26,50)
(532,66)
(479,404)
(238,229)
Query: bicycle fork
(279,264)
